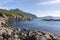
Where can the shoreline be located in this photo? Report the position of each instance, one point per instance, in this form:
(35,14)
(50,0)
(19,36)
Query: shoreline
(26,34)
(9,33)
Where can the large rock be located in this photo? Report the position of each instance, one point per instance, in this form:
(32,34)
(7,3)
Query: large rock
(3,20)
(17,34)
(1,38)
(48,36)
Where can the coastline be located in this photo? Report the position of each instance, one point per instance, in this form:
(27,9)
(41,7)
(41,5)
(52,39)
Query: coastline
(9,33)
(26,34)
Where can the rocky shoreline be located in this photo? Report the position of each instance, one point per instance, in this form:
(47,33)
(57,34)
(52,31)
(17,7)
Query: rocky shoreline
(26,34)
(9,33)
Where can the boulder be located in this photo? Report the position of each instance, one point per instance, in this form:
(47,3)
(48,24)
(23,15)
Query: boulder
(1,38)
(48,36)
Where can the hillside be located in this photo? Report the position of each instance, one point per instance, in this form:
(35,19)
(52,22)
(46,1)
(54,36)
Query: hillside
(17,13)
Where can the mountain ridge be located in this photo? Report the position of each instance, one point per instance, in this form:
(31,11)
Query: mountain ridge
(17,13)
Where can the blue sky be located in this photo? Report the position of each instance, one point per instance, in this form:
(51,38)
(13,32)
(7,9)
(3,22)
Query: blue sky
(37,7)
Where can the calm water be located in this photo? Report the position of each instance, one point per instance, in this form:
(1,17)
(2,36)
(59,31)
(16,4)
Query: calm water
(49,26)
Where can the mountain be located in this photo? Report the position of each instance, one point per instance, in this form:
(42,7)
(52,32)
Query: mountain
(47,17)
(50,18)
(17,13)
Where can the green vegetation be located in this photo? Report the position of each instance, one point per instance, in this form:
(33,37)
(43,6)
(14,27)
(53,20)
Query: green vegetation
(14,15)
(17,13)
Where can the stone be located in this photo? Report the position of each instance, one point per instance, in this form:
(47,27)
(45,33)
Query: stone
(47,36)
(1,38)
(43,38)
(17,34)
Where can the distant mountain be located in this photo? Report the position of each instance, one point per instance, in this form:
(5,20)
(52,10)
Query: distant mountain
(47,17)
(50,18)
(17,13)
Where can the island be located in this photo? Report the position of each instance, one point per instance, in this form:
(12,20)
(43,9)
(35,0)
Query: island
(50,18)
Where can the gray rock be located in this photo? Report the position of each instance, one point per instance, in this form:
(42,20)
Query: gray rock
(1,38)
(47,36)
(43,38)
(27,35)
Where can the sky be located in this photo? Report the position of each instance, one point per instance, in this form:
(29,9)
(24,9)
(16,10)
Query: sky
(38,7)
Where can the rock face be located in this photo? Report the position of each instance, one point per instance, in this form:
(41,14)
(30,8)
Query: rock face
(17,34)
(3,20)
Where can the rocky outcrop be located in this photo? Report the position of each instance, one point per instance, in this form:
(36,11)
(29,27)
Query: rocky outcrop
(3,20)
(18,34)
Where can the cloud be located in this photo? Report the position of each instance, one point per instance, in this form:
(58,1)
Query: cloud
(5,1)
(3,7)
(48,13)
(50,2)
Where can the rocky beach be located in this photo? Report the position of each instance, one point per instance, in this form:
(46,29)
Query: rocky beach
(26,34)
(9,33)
